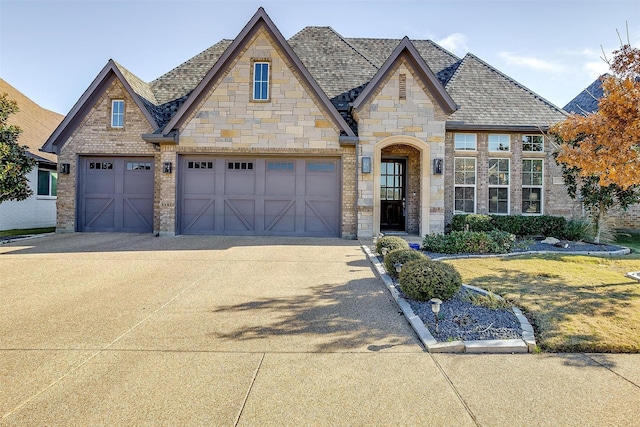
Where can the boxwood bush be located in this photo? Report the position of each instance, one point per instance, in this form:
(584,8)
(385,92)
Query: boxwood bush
(424,279)
(402,256)
(391,243)
(466,242)
(520,225)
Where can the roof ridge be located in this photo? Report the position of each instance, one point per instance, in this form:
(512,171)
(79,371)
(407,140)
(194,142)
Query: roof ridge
(516,83)
(353,48)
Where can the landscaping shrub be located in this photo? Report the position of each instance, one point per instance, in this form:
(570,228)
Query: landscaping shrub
(391,243)
(464,242)
(424,279)
(579,229)
(402,256)
(520,225)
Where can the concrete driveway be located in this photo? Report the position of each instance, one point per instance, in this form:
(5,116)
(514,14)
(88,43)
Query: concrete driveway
(113,329)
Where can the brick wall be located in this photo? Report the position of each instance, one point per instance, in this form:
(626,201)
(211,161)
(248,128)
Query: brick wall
(556,201)
(95,136)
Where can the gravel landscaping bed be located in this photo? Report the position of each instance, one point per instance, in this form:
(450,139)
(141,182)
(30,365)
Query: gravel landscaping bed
(461,320)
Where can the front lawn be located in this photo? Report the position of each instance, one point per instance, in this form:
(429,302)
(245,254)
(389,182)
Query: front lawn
(576,303)
(23,232)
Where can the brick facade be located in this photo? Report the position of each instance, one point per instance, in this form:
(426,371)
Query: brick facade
(95,136)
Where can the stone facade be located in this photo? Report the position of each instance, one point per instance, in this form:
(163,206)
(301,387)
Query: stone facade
(410,117)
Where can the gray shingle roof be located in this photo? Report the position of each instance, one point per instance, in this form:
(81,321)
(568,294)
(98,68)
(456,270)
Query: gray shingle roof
(486,97)
(343,67)
(587,101)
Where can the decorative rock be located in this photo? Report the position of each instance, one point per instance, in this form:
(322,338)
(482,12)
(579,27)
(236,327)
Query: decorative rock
(550,241)
(634,275)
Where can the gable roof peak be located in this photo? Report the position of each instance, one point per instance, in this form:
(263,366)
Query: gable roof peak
(429,78)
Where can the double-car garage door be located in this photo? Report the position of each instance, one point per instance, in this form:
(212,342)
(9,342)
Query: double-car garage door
(259,196)
(216,195)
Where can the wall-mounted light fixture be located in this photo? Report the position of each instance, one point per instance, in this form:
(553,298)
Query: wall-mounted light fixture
(167,167)
(64,168)
(437,166)
(366,165)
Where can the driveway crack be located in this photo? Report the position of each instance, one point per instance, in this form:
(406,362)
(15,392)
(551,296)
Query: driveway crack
(246,397)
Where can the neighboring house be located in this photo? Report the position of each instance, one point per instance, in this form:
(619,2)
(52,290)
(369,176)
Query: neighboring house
(37,123)
(586,102)
(318,135)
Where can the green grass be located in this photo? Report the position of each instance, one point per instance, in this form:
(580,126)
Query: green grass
(10,233)
(575,303)
(630,241)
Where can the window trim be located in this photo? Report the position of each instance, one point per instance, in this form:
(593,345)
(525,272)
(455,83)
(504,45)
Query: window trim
(52,182)
(254,81)
(115,114)
(474,186)
(475,141)
(541,186)
(508,149)
(532,143)
(507,186)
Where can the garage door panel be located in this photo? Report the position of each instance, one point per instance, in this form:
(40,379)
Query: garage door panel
(320,216)
(239,215)
(115,194)
(280,216)
(261,196)
(199,215)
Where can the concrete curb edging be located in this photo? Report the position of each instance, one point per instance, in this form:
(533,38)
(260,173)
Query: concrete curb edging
(525,345)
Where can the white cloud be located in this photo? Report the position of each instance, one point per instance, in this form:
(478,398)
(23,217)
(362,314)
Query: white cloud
(595,68)
(531,62)
(456,43)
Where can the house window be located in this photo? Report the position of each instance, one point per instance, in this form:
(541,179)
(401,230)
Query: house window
(321,167)
(499,142)
(138,166)
(260,81)
(465,185)
(533,143)
(464,141)
(240,166)
(499,186)
(47,183)
(280,166)
(199,165)
(117,113)
(532,181)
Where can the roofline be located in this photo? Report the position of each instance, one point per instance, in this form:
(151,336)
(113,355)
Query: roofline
(104,78)
(232,52)
(433,84)
(452,126)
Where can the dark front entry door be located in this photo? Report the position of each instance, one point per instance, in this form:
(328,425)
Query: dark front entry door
(392,194)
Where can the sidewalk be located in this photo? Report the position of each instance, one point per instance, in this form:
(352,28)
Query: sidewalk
(107,329)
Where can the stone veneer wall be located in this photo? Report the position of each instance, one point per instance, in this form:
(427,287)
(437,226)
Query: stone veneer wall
(556,201)
(95,136)
(291,123)
(386,115)
(412,190)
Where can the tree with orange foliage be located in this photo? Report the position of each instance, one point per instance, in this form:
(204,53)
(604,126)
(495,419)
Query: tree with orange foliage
(600,152)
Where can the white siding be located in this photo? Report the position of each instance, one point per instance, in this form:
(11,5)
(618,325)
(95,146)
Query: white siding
(35,212)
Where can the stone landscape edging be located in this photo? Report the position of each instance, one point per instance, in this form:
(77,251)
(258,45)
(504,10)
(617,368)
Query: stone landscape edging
(526,344)
(623,251)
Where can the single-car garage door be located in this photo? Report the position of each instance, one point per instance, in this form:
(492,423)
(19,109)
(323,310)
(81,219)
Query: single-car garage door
(260,196)
(116,194)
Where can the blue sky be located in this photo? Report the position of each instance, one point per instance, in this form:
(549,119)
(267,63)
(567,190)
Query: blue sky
(52,50)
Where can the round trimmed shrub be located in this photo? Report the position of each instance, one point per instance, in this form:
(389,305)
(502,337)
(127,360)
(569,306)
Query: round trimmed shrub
(424,279)
(402,256)
(391,243)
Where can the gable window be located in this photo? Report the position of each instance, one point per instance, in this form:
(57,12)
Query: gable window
(260,81)
(117,113)
(47,183)
(499,186)
(500,142)
(465,185)
(464,141)
(533,143)
(532,186)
